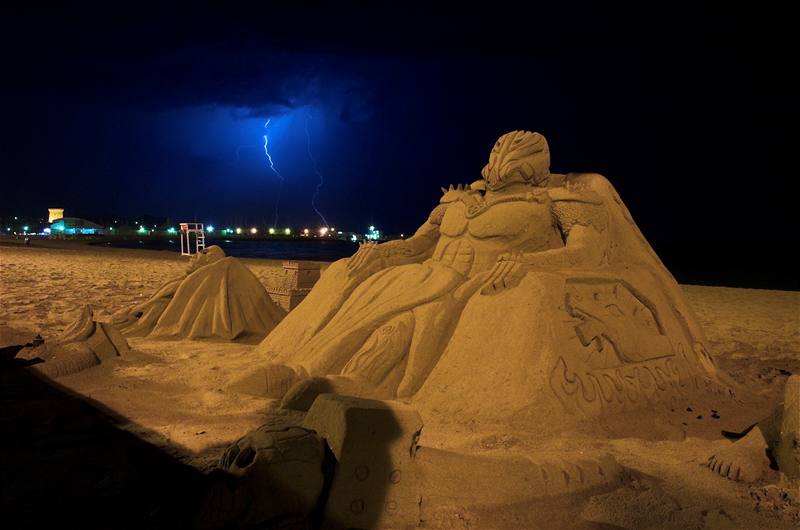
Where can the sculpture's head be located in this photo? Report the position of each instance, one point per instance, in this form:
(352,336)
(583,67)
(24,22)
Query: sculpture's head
(518,156)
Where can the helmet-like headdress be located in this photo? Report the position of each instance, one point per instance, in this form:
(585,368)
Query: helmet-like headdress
(518,156)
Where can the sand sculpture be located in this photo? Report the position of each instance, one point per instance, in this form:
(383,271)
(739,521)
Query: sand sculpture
(218,298)
(528,299)
(298,279)
(526,295)
(140,320)
(772,445)
(83,344)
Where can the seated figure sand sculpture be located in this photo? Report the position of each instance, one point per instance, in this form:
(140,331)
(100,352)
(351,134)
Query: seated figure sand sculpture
(524,294)
(528,302)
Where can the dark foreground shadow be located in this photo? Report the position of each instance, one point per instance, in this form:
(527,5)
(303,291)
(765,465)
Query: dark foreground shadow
(65,463)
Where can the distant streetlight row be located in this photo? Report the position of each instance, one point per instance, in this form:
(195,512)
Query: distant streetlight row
(371,234)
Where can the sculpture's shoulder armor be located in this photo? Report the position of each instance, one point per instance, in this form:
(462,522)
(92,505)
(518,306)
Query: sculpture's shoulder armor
(581,200)
(468,195)
(454,193)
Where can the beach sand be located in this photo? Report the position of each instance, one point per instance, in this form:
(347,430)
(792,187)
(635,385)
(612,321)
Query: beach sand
(172,394)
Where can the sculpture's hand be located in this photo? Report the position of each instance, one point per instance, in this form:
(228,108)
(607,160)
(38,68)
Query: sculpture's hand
(506,273)
(366,258)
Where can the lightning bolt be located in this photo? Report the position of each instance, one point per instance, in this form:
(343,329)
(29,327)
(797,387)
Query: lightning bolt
(316,170)
(269,156)
(274,170)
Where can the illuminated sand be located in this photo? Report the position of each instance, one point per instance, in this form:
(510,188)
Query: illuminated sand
(170,387)
(174,393)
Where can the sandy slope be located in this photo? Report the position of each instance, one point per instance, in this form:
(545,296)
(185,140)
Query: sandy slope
(174,392)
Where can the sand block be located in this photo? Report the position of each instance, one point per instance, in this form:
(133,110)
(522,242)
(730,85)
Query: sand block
(299,278)
(374,442)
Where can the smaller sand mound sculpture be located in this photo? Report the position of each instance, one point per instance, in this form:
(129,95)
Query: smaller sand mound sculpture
(84,344)
(140,320)
(772,444)
(223,300)
(219,298)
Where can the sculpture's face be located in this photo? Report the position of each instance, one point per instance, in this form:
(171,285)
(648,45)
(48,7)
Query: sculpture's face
(518,156)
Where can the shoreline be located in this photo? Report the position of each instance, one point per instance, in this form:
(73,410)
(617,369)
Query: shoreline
(75,245)
(97,245)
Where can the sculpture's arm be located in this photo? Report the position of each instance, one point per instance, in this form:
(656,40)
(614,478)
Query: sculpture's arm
(582,222)
(416,249)
(583,226)
(585,247)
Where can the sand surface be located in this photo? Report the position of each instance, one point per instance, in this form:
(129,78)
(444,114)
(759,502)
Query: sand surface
(173,394)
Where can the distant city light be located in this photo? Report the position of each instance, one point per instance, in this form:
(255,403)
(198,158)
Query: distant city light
(171,230)
(210,228)
(353,238)
(373,234)
(287,231)
(305,231)
(271,231)
(111,228)
(253,230)
(323,231)
(46,230)
(142,230)
(238,230)
(25,228)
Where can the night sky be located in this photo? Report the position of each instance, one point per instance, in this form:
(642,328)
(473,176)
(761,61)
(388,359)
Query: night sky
(685,109)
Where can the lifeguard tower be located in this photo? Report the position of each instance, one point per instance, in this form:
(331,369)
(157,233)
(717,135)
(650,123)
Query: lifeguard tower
(187,231)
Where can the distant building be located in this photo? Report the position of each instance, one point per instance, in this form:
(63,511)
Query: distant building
(75,225)
(55,213)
